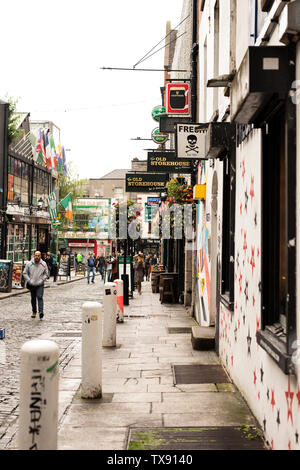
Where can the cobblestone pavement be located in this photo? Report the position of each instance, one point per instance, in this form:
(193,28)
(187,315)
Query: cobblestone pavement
(62,314)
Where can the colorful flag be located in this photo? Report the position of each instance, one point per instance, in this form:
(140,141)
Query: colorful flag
(52,206)
(53,152)
(48,151)
(60,165)
(67,204)
(40,148)
(64,161)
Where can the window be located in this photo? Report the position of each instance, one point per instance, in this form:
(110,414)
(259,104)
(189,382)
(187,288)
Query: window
(228,230)
(118,193)
(216,53)
(257,17)
(81,219)
(18,181)
(41,185)
(278,318)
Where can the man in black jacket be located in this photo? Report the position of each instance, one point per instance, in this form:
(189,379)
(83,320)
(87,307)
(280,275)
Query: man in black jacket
(91,268)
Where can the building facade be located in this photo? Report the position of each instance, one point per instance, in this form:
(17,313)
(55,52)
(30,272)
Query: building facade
(245,282)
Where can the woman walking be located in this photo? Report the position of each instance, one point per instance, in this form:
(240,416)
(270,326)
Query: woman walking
(139,271)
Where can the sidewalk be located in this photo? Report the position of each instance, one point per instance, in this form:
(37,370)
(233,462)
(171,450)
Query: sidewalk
(142,407)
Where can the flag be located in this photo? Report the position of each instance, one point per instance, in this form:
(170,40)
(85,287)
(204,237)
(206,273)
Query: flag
(53,152)
(67,204)
(60,166)
(52,206)
(40,148)
(64,161)
(32,139)
(48,151)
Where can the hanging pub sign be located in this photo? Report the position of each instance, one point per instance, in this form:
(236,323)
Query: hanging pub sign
(178,98)
(158,112)
(157,137)
(190,141)
(166,162)
(145,182)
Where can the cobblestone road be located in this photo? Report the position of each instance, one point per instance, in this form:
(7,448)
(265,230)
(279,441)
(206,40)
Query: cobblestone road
(62,314)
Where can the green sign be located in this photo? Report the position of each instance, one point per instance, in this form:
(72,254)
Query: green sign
(157,137)
(121,259)
(158,112)
(150,211)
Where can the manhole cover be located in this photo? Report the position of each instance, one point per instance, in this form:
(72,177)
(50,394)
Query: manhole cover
(62,334)
(199,374)
(203,438)
(177,330)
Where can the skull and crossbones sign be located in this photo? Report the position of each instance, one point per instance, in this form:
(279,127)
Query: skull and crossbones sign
(192,140)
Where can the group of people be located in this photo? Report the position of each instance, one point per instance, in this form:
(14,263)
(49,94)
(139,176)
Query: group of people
(42,266)
(142,268)
(101,264)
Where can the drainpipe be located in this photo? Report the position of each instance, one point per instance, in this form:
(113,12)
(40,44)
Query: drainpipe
(194,56)
(194,71)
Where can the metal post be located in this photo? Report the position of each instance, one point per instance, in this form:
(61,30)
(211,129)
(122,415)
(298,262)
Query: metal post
(120,300)
(38,416)
(91,350)
(125,277)
(109,315)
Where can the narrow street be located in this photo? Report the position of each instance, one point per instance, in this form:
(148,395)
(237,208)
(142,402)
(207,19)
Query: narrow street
(62,314)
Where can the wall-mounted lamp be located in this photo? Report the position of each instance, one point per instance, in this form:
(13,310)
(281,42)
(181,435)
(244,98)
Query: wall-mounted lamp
(40,203)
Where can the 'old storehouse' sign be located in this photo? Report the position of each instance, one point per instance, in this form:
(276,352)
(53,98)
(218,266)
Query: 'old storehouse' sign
(145,182)
(166,162)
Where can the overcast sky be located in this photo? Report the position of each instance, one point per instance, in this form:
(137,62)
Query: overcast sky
(52,54)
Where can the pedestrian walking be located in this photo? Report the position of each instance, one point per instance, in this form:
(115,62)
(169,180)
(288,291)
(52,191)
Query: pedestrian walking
(91,268)
(54,267)
(49,262)
(147,267)
(108,269)
(101,266)
(139,271)
(154,260)
(114,268)
(35,274)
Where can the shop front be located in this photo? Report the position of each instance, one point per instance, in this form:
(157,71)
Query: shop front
(82,246)
(23,238)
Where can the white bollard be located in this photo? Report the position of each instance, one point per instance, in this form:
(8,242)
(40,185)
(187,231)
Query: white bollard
(120,300)
(38,415)
(91,350)
(110,315)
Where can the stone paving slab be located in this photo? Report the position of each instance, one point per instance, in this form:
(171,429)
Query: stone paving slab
(136,397)
(95,438)
(202,418)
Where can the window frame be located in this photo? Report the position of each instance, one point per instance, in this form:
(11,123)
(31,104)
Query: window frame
(228,228)
(268,336)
